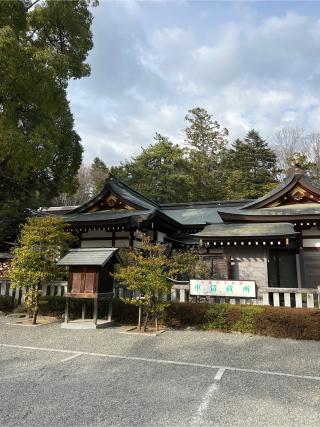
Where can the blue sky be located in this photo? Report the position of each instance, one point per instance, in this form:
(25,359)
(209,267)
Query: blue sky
(250,64)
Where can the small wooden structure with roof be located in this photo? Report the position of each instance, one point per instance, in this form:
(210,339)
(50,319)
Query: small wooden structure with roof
(90,277)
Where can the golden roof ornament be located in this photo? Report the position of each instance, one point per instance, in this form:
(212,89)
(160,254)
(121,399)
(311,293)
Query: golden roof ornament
(298,168)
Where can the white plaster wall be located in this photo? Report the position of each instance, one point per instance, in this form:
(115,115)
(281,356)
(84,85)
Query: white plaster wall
(311,238)
(97,233)
(122,243)
(96,243)
(101,243)
(311,243)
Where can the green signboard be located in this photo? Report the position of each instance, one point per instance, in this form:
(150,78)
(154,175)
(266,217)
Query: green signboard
(223,288)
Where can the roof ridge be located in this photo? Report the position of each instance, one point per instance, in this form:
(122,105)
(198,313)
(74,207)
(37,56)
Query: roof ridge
(131,190)
(209,203)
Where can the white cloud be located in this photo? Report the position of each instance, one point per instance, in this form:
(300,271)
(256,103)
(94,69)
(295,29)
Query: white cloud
(259,73)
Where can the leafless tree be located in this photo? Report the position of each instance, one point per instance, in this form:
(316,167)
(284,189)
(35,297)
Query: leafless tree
(288,144)
(83,193)
(312,150)
(294,144)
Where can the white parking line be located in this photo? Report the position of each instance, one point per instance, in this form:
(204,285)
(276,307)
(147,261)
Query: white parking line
(164,361)
(203,407)
(219,374)
(71,357)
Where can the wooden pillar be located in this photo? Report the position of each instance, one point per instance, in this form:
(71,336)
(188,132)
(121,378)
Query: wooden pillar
(131,237)
(110,310)
(83,314)
(3,288)
(155,233)
(300,263)
(17,295)
(66,314)
(95,310)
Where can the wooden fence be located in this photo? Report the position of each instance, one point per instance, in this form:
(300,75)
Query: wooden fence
(286,297)
(276,297)
(55,289)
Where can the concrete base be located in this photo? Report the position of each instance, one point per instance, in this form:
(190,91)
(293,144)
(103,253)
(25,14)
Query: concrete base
(135,331)
(86,324)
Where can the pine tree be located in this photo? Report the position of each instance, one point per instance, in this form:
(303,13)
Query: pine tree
(160,172)
(250,168)
(206,143)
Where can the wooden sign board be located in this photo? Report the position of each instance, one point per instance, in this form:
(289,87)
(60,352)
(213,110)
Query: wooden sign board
(223,288)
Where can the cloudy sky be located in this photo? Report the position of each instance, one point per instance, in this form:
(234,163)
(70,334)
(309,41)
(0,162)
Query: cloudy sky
(250,64)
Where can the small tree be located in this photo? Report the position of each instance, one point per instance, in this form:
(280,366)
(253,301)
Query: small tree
(42,241)
(147,273)
(188,264)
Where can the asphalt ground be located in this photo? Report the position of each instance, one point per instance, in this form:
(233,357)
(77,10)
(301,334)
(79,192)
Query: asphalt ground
(51,376)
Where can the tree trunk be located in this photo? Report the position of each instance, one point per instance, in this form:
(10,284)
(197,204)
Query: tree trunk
(139,318)
(156,321)
(36,309)
(34,317)
(146,322)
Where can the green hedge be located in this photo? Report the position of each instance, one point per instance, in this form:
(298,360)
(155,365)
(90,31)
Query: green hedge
(281,322)
(297,323)
(6,303)
(55,306)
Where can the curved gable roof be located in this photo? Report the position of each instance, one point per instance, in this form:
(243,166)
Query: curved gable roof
(126,195)
(297,179)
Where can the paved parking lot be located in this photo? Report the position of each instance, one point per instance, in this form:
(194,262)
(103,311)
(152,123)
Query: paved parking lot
(50,376)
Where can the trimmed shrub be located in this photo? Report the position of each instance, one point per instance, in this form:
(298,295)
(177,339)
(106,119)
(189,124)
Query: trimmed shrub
(55,306)
(121,312)
(246,322)
(52,306)
(282,322)
(6,303)
(216,317)
(180,315)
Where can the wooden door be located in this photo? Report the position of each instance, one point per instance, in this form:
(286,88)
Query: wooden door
(76,282)
(89,284)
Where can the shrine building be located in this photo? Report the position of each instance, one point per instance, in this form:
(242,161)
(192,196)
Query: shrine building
(274,240)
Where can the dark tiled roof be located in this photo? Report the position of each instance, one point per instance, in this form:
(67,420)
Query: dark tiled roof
(247,230)
(199,213)
(90,256)
(110,215)
(289,210)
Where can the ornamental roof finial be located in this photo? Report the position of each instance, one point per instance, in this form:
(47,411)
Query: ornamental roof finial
(298,169)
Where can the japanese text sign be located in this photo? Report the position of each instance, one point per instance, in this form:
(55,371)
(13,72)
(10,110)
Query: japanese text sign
(223,288)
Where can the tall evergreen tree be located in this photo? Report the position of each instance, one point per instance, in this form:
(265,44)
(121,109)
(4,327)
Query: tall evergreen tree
(250,168)
(43,44)
(99,173)
(206,142)
(160,172)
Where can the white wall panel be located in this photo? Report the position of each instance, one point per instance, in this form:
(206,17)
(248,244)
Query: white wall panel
(96,243)
(311,243)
